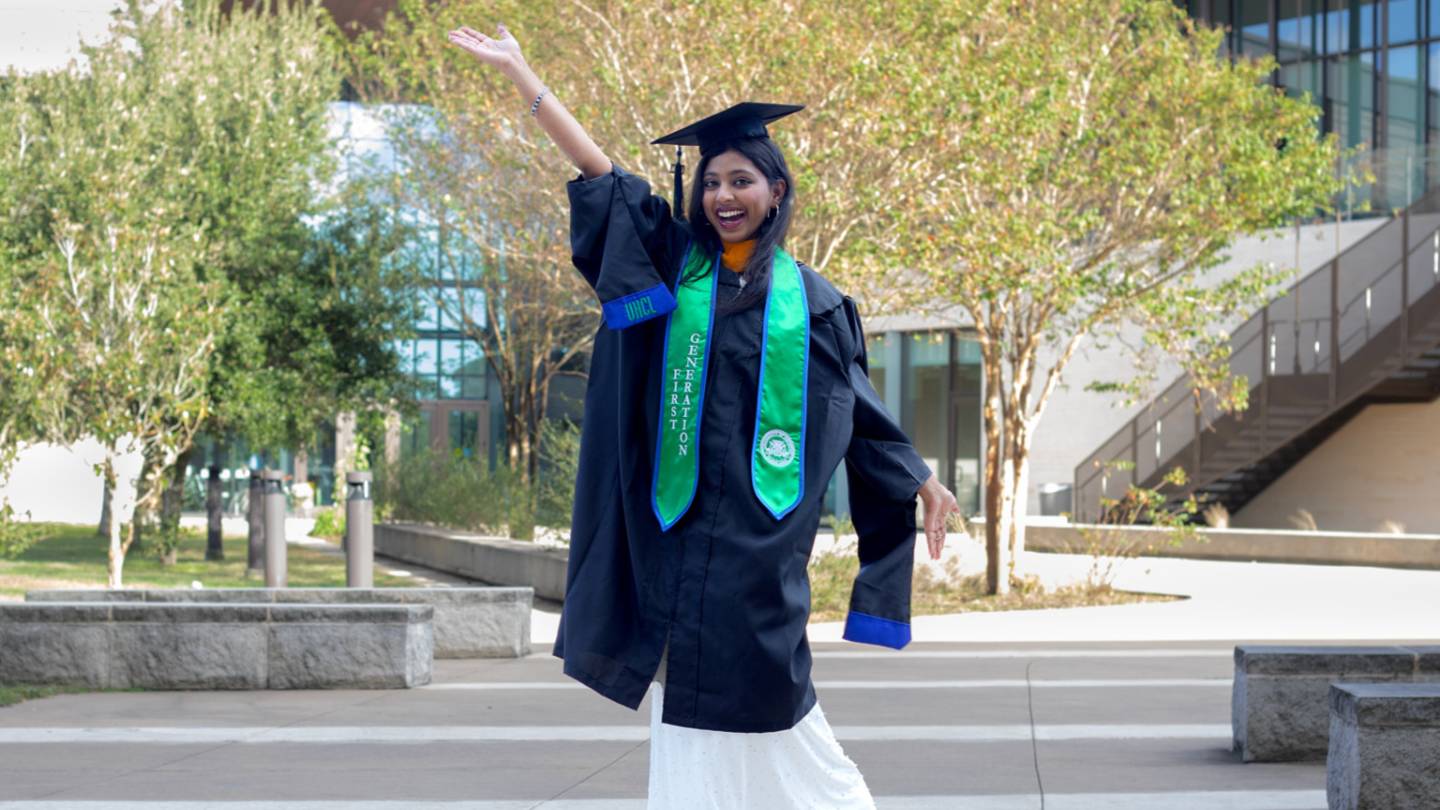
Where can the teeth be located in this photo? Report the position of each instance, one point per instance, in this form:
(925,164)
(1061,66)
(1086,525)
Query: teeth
(730,214)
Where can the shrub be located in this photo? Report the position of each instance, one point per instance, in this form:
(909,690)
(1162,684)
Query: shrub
(454,491)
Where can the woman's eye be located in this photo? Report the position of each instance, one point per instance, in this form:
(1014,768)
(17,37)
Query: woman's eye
(742,182)
(710,184)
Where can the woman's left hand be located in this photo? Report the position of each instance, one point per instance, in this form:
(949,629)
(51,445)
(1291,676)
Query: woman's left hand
(939,504)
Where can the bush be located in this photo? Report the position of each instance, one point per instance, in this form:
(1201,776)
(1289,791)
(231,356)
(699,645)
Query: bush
(559,464)
(330,523)
(15,535)
(457,492)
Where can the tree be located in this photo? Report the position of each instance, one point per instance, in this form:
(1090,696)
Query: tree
(173,195)
(1089,160)
(630,70)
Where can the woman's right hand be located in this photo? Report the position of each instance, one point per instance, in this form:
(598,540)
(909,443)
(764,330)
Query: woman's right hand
(500,51)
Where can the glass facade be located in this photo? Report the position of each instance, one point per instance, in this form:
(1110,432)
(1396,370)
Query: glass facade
(453,384)
(930,380)
(1371,67)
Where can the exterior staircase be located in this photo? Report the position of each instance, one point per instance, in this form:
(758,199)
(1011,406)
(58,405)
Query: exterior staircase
(1362,328)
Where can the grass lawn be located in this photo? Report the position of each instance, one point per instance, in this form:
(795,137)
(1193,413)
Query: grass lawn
(833,573)
(75,557)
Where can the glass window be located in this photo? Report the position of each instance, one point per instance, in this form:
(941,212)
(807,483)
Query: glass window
(472,387)
(1432,89)
(925,394)
(1220,16)
(415,434)
(1254,27)
(1296,32)
(1404,130)
(1349,25)
(966,426)
(429,315)
(425,357)
(1404,21)
(464,433)
(1352,97)
(875,362)
(452,355)
(1299,78)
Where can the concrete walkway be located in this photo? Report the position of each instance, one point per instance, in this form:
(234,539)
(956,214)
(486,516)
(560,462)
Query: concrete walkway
(979,726)
(1110,708)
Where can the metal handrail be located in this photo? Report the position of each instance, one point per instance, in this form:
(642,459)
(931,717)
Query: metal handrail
(1145,421)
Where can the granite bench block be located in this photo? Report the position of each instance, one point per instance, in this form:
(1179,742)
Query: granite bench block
(169,654)
(174,645)
(358,647)
(1384,750)
(487,622)
(1279,698)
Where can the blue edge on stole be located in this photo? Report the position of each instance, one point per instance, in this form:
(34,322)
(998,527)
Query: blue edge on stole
(867,629)
(640,306)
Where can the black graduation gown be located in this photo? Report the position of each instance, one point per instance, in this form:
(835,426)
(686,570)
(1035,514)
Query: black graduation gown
(727,583)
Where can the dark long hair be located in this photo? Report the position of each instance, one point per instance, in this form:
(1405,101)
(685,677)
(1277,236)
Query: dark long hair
(767,158)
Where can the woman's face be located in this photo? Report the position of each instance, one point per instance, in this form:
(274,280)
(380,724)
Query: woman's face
(737,196)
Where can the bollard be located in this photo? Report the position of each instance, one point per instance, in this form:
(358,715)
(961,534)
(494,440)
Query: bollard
(274,529)
(359,532)
(214,497)
(255,516)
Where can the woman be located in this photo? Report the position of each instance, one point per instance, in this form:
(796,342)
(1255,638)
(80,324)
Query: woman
(726,384)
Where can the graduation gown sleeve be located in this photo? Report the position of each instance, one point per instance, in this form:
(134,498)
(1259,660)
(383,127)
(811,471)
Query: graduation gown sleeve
(620,239)
(884,473)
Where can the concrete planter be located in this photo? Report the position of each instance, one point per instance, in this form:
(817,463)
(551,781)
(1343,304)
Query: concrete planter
(495,560)
(216,646)
(469,622)
(1262,545)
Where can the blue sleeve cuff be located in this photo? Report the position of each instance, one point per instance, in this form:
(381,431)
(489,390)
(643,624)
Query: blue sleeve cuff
(867,629)
(636,307)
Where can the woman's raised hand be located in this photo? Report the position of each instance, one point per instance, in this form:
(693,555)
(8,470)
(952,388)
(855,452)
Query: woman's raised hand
(499,51)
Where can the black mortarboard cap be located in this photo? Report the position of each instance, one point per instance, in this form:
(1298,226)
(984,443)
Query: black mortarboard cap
(744,120)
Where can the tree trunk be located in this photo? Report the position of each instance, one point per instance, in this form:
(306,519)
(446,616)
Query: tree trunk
(116,559)
(997,581)
(214,548)
(170,504)
(1019,499)
(104,529)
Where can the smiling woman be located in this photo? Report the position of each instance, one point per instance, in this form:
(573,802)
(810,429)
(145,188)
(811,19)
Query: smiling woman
(719,404)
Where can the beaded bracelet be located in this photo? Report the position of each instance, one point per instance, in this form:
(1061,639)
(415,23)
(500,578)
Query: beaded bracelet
(536,106)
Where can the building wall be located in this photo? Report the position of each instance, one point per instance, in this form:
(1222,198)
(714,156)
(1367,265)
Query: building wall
(1382,466)
(1077,421)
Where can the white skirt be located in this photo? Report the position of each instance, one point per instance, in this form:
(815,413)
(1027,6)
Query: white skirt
(801,768)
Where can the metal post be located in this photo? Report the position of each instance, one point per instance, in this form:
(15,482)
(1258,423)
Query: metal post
(255,516)
(1334,330)
(274,529)
(359,532)
(214,547)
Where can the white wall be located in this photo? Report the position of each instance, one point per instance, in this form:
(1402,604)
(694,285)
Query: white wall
(1077,422)
(1382,466)
(59,484)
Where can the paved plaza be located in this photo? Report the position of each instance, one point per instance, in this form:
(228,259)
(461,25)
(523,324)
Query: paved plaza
(1117,726)
(1119,708)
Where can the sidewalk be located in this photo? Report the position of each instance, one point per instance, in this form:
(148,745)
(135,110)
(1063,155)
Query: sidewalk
(1224,600)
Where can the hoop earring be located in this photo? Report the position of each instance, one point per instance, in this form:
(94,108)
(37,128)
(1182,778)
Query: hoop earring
(774,210)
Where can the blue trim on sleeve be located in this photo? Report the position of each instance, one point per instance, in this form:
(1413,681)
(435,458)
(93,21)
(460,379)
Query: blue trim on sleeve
(636,307)
(867,629)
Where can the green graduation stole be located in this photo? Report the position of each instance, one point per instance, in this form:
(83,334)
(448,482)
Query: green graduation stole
(777,452)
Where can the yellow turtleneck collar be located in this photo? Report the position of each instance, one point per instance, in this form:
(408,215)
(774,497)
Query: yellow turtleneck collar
(734,255)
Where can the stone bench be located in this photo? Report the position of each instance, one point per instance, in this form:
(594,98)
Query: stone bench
(1279,705)
(216,646)
(469,622)
(1384,746)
